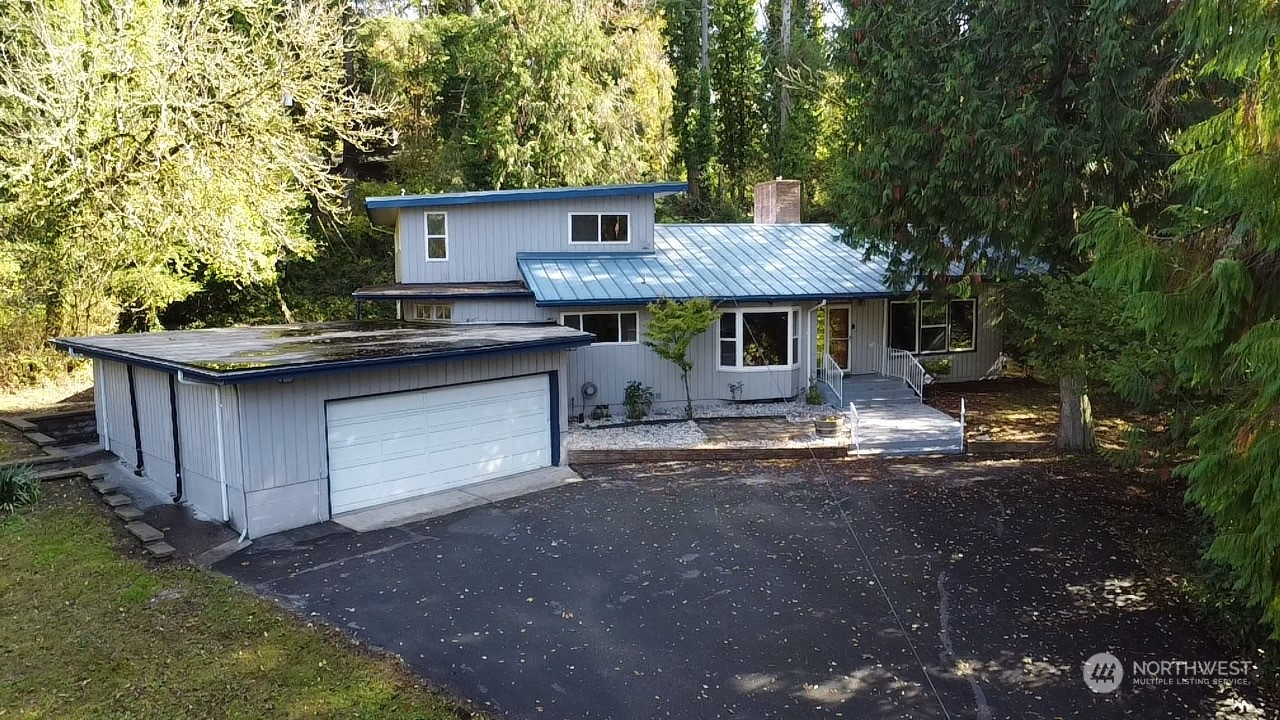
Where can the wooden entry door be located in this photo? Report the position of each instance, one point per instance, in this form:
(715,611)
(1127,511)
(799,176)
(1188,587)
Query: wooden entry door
(838,335)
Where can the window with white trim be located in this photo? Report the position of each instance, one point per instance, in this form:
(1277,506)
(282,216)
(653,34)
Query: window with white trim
(930,327)
(610,328)
(437,227)
(599,228)
(752,339)
(439,312)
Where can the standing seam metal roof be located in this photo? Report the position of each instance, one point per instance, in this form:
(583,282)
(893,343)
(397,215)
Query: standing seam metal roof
(721,262)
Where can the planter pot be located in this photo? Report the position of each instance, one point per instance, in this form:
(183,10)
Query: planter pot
(826,428)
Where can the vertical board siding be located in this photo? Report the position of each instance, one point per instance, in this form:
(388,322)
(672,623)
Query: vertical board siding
(502,310)
(117,414)
(283,433)
(870,336)
(611,367)
(197,432)
(155,423)
(867,336)
(484,239)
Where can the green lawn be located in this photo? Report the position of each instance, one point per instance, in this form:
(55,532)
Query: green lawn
(86,632)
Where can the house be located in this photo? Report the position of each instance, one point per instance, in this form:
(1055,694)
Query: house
(593,258)
(518,311)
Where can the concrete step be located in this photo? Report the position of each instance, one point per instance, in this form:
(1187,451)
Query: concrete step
(160,550)
(128,513)
(40,439)
(116,500)
(144,532)
(104,487)
(910,448)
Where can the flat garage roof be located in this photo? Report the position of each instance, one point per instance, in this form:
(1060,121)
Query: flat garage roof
(245,354)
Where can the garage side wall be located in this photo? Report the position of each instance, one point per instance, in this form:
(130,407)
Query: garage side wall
(155,422)
(284,461)
(115,419)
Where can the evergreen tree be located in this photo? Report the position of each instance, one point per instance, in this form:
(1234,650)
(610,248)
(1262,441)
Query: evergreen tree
(1204,278)
(982,132)
(691,107)
(736,92)
(795,72)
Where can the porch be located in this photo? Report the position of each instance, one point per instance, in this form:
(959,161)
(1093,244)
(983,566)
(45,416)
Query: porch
(887,417)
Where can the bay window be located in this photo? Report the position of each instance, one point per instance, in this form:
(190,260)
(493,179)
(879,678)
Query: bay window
(759,338)
(925,327)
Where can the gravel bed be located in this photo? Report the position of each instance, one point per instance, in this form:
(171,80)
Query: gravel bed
(658,435)
(794,411)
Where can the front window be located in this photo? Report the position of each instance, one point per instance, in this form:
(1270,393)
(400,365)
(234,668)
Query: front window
(608,327)
(437,236)
(599,228)
(759,339)
(438,312)
(932,326)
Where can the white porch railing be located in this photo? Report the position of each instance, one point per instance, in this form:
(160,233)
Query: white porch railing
(831,374)
(962,449)
(902,364)
(854,422)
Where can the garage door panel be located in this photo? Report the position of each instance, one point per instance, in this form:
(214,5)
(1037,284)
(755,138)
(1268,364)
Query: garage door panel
(391,447)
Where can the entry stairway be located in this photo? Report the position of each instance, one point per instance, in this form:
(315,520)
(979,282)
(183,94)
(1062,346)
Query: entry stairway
(889,419)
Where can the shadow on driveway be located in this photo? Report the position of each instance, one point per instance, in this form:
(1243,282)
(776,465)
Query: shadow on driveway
(761,590)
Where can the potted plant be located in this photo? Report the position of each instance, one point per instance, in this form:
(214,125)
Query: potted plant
(827,426)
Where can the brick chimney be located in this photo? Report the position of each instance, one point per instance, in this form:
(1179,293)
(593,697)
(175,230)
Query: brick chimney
(777,201)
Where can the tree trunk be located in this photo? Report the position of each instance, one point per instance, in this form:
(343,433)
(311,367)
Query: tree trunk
(704,61)
(1075,425)
(688,397)
(784,91)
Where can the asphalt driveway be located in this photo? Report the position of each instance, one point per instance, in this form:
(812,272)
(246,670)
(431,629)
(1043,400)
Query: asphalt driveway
(741,590)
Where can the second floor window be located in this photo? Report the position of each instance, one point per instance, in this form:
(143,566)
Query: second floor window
(437,236)
(599,228)
(608,327)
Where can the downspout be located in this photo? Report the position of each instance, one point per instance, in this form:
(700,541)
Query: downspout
(222,457)
(177,442)
(137,430)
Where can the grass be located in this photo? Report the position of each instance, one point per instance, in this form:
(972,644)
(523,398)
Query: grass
(86,632)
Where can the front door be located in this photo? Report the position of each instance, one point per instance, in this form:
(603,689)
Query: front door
(838,335)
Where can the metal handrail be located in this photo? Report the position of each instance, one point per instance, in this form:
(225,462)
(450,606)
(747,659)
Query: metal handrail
(831,374)
(962,413)
(854,422)
(902,364)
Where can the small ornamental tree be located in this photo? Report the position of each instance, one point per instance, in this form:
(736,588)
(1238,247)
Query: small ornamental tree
(672,327)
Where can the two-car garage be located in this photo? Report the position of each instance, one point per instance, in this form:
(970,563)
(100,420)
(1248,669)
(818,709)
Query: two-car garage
(275,427)
(396,446)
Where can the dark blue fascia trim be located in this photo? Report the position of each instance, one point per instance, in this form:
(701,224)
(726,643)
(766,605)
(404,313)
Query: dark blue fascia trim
(444,296)
(740,299)
(246,376)
(553,379)
(534,194)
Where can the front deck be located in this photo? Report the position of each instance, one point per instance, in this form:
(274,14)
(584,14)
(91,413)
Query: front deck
(888,418)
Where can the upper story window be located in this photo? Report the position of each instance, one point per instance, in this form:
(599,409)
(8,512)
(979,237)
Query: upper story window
(608,327)
(932,326)
(437,236)
(760,338)
(599,228)
(439,312)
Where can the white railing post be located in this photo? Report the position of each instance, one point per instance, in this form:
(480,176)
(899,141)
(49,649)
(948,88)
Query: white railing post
(854,421)
(961,426)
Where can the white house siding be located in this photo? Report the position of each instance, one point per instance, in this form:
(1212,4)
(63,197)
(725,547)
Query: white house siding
(500,310)
(284,460)
(114,416)
(484,239)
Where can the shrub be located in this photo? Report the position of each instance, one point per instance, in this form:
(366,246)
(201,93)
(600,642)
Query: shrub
(638,399)
(18,488)
(814,395)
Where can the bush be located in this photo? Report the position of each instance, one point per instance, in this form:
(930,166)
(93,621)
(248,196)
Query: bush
(19,488)
(638,399)
(814,395)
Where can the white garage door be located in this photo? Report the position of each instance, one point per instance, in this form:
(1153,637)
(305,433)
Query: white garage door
(385,448)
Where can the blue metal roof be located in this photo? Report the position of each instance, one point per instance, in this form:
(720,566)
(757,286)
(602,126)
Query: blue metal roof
(721,262)
(522,195)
